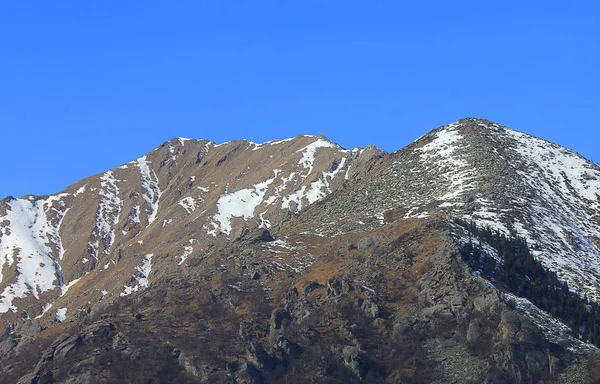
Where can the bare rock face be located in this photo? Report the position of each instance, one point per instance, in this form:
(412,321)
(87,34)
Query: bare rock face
(298,261)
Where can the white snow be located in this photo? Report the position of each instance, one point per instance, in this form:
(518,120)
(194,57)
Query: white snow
(107,215)
(553,329)
(320,188)
(66,287)
(182,140)
(556,212)
(280,243)
(557,209)
(61,314)
(46,309)
(152,192)
(296,197)
(142,274)
(239,204)
(135,216)
(188,204)
(144,270)
(29,240)
(440,154)
(308,153)
(79,191)
(187,250)
(315,191)
(273,142)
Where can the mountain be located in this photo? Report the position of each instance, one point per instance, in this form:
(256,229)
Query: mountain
(183,197)
(299,261)
(497,177)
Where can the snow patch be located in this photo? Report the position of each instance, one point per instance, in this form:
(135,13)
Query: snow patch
(188,204)
(141,276)
(66,287)
(31,240)
(107,215)
(80,191)
(239,204)
(273,142)
(308,153)
(152,191)
(187,250)
(61,314)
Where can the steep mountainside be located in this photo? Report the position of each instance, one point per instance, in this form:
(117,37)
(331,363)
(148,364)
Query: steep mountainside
(183,197)
(299,261)
(497,177)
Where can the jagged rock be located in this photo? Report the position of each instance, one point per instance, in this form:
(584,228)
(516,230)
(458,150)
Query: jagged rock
(368,307)
(65,347)
(260,235)
(195,367)
(310,286)
(365,244)
(30,328)
(121,344)
(99,330)
(292,295)
(509,325)
(257,355)
(82,378)
(29,379)
(244,373)
(486,302)
(285,349)
(437,317)
(279,318)
(8,345)
(473,332)
(352,357)
(336,287)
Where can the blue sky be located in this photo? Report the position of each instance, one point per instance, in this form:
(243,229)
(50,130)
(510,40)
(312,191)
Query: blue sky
(86,86)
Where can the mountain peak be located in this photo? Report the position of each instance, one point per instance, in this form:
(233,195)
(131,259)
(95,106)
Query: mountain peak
(477,120)
(497,177)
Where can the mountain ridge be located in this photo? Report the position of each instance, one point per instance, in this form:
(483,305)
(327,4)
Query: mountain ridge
(260,237)
(149,186)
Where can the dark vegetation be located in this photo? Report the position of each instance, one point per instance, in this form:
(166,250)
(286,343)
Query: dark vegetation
(521,274)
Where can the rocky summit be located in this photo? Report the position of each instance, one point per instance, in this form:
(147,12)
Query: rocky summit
(470,256)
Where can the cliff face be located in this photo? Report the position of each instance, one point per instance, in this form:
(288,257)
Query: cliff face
(299,261)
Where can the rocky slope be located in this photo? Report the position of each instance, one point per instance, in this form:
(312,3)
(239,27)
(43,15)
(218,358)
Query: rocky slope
(299,261)
(182,198)
(497,177)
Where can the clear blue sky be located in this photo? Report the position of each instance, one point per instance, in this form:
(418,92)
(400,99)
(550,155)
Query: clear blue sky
(88,85)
